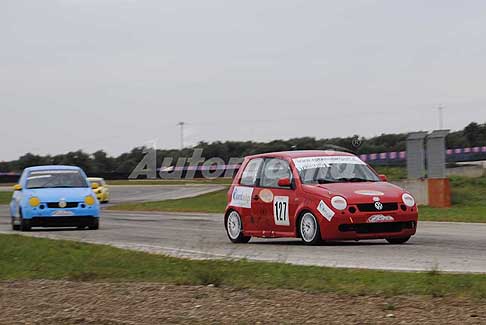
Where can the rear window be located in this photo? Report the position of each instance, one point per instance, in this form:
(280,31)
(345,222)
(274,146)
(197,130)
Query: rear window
(55,179)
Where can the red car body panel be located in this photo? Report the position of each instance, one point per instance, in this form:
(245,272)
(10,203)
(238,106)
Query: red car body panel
(396,220)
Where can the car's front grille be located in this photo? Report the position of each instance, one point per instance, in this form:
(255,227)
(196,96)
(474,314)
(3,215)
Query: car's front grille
(373,207)
(55,205)
(375,228)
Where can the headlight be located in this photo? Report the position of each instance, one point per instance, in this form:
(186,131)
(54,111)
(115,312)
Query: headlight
(89,200)
(408,200)
(34,201)
(339,203)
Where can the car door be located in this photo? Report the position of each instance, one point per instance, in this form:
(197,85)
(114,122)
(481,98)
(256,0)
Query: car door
(277,204)
(244,193)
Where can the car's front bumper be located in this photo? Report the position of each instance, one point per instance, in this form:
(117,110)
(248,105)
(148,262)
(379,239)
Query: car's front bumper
(358,227)
(80,211)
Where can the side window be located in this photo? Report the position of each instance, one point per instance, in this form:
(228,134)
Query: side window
(274,170)
(250,174)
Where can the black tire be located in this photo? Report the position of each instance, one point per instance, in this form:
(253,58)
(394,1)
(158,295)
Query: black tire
(309,230)
(234,228)
(95,225)
(24,224)
(398,241)
(81,227)
(14,226)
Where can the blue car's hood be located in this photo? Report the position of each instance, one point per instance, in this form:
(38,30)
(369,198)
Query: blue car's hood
(56,194)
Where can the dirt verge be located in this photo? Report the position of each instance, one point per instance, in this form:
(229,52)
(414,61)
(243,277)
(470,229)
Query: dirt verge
(62,302)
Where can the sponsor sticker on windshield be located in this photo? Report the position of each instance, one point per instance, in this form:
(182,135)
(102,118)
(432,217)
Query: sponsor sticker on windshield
(63,171)
(323,162)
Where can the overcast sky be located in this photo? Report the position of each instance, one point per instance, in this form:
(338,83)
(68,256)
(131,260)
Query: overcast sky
(115,74)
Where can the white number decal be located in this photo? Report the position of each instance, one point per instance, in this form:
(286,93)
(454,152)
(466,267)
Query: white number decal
(281,210)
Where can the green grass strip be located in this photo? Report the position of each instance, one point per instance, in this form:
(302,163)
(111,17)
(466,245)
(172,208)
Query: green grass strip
(214,202)
(5,197)
(26,258)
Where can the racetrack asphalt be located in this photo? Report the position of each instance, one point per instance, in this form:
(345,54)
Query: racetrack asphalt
(144,193)
(449,247)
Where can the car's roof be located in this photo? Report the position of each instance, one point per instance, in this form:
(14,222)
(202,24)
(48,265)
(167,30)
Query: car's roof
(51,167)
(302,154)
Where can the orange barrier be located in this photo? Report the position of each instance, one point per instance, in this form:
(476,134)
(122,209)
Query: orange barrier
(439,192)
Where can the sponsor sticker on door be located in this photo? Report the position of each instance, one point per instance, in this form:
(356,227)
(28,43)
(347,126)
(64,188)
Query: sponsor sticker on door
(241,197)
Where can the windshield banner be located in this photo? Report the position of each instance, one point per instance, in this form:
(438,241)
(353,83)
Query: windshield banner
(323,162)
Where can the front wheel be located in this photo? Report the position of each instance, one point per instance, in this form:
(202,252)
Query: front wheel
(309,229)
(24,225)
(398,241)
(14,226)
(234,228)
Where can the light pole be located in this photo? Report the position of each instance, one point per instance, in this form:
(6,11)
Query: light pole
(181,125)
(441,117)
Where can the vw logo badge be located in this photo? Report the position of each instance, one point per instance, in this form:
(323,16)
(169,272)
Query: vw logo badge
(379,206)
(62,203)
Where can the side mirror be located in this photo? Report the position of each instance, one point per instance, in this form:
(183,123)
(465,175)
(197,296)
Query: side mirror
(94,186)
(284,182)
(17,187)
(383,178)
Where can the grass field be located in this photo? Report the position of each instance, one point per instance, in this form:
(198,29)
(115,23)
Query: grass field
(393,173)
(468,197)
(26,258)
(214,202)
(468,202)
(5,197)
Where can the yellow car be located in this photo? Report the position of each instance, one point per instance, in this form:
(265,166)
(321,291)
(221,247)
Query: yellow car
(101,191)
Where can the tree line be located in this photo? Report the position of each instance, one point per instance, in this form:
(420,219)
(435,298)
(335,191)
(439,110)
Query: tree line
(100,162)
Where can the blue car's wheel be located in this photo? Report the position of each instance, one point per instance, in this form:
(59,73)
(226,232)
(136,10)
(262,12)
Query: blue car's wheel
(14,226)
(24,224)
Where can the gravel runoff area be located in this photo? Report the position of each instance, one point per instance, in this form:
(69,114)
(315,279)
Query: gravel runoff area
(62,302)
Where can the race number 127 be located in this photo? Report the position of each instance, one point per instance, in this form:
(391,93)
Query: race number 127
(281,210)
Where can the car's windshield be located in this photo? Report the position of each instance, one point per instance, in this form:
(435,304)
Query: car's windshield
(334,169)
(55,179)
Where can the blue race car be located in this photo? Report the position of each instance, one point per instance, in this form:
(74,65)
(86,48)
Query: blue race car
(54,196)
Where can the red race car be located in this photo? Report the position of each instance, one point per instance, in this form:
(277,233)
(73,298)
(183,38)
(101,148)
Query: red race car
(315,196)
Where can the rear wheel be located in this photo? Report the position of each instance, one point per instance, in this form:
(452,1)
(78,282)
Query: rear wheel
(398,241)
(309,229)
(234,228)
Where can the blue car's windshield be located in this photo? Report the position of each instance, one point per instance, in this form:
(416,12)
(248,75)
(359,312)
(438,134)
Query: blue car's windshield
(55,179)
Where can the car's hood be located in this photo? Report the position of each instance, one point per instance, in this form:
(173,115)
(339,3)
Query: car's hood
(359,192)
(56,194)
